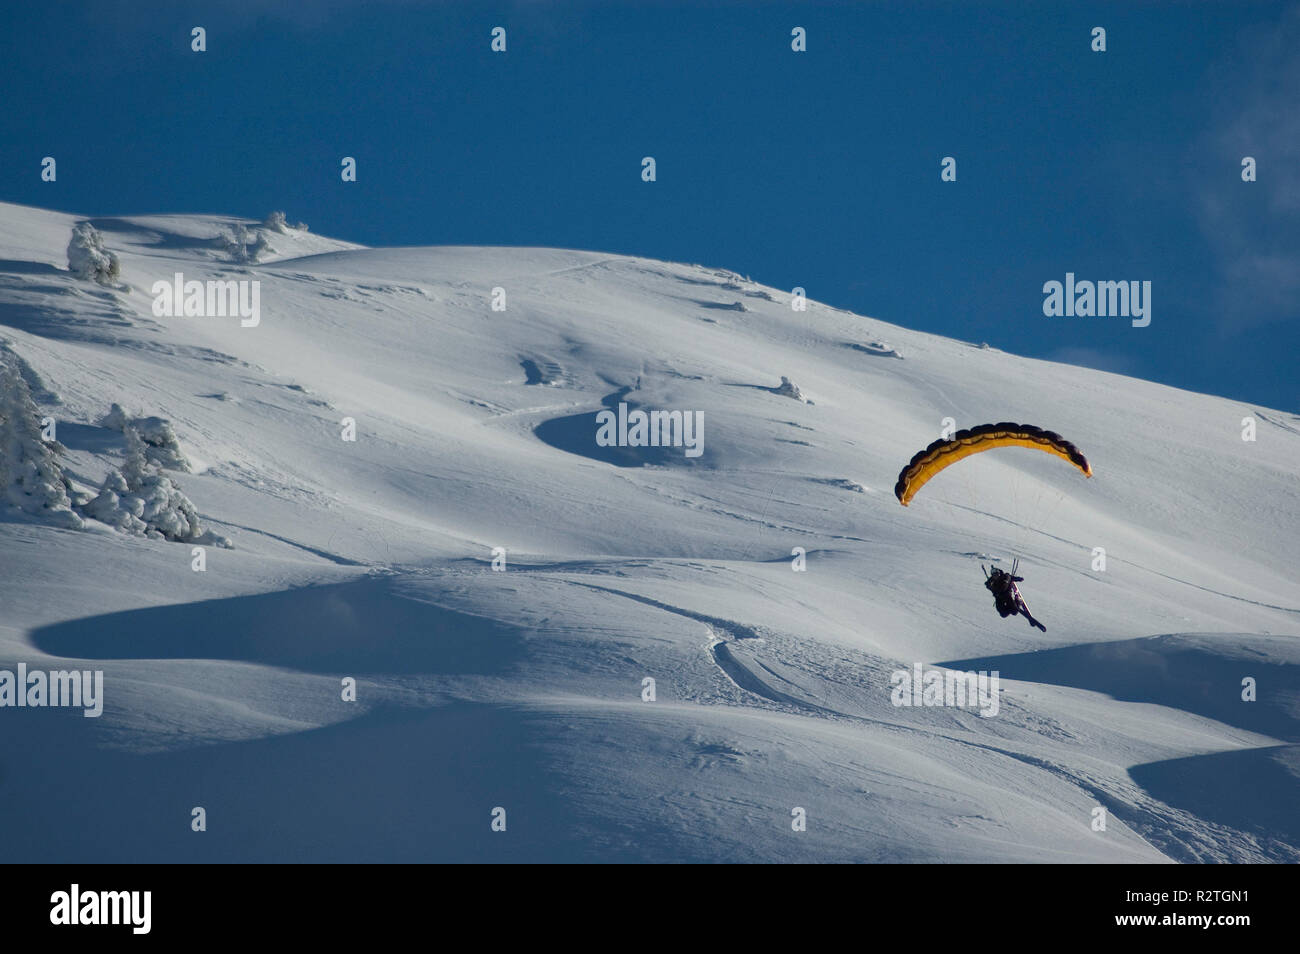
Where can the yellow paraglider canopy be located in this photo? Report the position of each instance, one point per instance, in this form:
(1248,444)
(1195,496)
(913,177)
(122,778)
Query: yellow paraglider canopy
(943,453)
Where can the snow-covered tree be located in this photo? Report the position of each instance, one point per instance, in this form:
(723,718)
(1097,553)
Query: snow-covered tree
(31,479)
(245,247)
(276,222)
(161,444)
(260,247)
(115,506)
(141,499)
(164,509)
(87,257)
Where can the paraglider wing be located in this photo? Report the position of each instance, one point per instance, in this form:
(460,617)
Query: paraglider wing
(943,453)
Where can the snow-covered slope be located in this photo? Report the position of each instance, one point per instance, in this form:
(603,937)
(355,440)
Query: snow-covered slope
(477,689)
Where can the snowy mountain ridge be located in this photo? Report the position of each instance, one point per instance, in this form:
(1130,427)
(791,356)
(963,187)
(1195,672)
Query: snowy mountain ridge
(500,583)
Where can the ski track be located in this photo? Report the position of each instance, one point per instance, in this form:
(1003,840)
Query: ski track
(1180,835)
(334,558)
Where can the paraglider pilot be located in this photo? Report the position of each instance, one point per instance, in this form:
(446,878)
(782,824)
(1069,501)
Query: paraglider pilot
(1006,595)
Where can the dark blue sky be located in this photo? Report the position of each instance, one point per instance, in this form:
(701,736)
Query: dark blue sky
(818,169)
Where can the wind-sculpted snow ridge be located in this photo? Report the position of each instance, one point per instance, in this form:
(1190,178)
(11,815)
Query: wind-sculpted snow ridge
(463,479)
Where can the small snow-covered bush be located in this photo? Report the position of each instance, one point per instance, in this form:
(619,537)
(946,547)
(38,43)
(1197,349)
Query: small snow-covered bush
(31,479)
(115,506)
(245,247)
(87,257)
(789,389)
(274,222)
(140,499)
(161,445)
